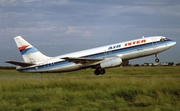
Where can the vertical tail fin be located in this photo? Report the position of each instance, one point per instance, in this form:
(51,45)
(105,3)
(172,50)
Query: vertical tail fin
(29,53)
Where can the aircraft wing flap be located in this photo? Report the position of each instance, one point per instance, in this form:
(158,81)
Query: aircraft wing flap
(23,64)
(81,60)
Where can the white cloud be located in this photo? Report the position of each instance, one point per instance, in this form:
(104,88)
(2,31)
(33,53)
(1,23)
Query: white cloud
(9,2)
(141,7)
(77,30)
(30,0)
(71,30)
(59,2)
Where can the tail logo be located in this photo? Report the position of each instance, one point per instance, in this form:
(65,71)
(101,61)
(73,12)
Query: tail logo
(23,47)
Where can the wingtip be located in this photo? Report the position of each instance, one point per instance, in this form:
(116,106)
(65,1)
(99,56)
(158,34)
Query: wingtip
(7,61)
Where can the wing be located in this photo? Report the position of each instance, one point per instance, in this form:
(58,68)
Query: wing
(82,60)
(23,64)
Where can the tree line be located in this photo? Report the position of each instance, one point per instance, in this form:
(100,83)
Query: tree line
(7,67)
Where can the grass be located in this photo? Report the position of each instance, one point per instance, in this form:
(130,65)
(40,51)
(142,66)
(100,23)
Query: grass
(123,89)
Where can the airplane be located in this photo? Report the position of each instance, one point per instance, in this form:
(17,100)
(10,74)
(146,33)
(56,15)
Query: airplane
(99,58)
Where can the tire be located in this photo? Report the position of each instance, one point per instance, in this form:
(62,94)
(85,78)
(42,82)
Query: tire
(157,60)
(102,71)
(96,72)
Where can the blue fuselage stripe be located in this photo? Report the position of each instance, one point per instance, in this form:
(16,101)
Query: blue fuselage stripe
(29,50)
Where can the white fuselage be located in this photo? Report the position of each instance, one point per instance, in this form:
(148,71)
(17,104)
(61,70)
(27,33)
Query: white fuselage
(124,50)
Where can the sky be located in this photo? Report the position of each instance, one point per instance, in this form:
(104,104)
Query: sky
(58,27)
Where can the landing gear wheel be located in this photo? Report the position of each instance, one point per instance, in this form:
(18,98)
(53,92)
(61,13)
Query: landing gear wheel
(157,60)
(96,72)
(99,71)
(102,71)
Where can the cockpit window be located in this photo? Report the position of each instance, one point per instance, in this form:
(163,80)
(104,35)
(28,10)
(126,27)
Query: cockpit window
(164,39)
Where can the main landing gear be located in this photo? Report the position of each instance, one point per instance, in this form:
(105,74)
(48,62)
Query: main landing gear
(156,60)
(99,71)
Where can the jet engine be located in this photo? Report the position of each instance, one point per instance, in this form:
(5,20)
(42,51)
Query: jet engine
(112,62)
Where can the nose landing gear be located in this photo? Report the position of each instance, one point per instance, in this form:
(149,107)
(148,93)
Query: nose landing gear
(156,60)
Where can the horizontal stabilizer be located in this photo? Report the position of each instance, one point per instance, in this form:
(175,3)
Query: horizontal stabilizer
(81,60)
(22,64)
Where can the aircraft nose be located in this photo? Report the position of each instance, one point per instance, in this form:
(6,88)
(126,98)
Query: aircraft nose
(170,44)
(173,42)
